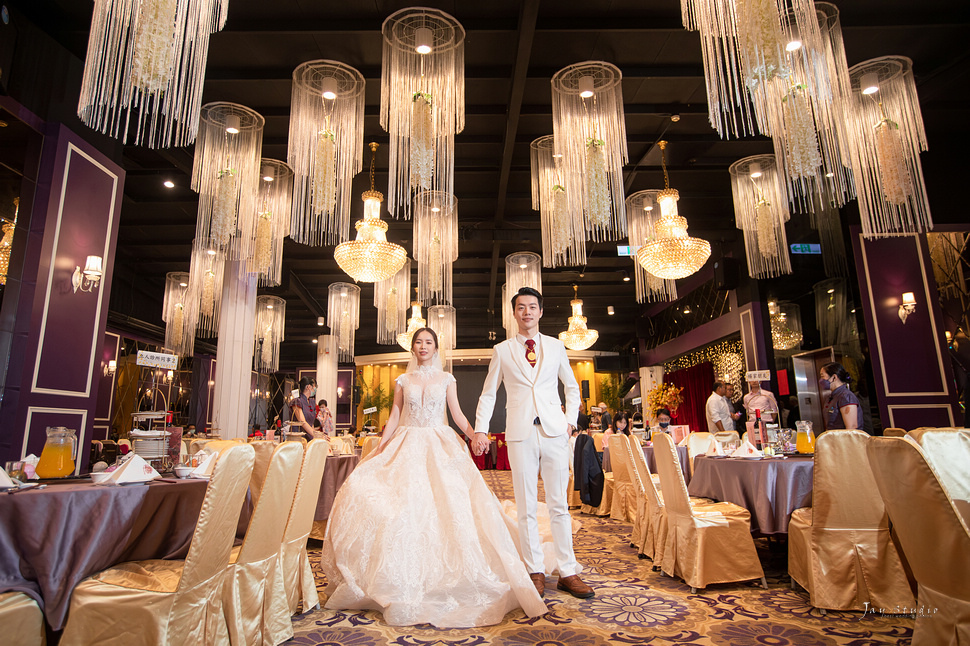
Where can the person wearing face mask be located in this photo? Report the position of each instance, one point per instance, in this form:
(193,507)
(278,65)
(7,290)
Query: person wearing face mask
(663,422)
(304,408)
(841,410)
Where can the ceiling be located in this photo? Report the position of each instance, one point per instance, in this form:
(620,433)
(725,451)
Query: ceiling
(512,49)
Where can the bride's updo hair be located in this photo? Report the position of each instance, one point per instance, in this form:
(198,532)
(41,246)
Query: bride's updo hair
(429,331)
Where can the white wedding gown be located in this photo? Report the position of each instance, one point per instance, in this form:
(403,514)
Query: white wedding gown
(417,534)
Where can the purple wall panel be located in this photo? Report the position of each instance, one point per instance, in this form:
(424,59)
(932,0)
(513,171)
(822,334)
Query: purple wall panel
(106,383)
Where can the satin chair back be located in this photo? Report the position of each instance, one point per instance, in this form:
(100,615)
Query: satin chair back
(619,459)
(948,452)
(893,432)
(370,443)
(264,453)
(727,436)
(624,505)
(22,620)
(297,574)
(697,444)
(265,533)
(676,499)
(598,442)
(844,493)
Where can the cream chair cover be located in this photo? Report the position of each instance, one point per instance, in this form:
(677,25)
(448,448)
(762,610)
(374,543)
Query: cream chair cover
(598,442)
(169,603)
(297,575)
(22,620)
(573,494)
(370,443)
(639,473)
(840,549)
(706,543)
(948,452)
(257,612)
(893,432)
(624,504)
(606,502)
(727,436)
(697,444)
(934,537)
(264,453)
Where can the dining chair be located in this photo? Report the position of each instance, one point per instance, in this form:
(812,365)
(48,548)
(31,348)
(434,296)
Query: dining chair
(638,473)
(606,500)
(696,535)
(727,436)
(370,444)
(840,549)
(22,620)
(264,453)
(598,442)
(933,534)
(254,597)
(893,432)
(623,506)
(169,602)
(298,578)
(948,452)
(697,444)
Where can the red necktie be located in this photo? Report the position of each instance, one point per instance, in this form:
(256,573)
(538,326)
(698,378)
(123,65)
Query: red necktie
(530,352)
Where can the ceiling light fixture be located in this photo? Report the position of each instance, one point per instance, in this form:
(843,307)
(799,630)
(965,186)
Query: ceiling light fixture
(640,220)
(343,317)
(435,245)
(168,184)
(268,332)
(180,311)
(522,269)
(578,336)
(391,301)
(760,211)
(415,323)
(563,233)
(263,251)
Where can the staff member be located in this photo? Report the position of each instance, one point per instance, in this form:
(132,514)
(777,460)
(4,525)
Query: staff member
(841,410)
(304,410)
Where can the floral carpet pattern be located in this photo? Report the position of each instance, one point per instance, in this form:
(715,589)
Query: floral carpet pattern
(633,606)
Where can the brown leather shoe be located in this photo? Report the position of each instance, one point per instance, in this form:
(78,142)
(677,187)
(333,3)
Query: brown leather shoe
(575,586)
(539,580)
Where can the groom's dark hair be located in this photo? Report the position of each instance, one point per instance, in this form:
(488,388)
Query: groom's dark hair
(527,291)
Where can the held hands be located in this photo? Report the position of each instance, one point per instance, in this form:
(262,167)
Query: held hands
(480,443)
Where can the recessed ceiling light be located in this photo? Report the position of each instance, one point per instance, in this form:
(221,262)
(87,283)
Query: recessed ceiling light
(168,184)
(313,340)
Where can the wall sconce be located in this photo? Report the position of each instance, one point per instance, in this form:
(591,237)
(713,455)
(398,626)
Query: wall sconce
(908,306)
(110,368)
(88,279)
(340,392)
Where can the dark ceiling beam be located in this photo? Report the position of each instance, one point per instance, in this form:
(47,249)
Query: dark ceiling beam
(297,286)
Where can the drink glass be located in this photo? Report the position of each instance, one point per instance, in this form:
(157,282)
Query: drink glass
(15,469)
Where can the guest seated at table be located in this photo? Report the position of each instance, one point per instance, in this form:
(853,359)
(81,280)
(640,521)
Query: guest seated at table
(325,418)
(189,431)
(841,409)
(619,426)
(663,422)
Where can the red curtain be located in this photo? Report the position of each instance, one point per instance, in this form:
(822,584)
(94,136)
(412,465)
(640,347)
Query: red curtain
(697,383)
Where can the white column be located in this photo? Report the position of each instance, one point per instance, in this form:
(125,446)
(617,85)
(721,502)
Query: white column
(234,355)
(327,372)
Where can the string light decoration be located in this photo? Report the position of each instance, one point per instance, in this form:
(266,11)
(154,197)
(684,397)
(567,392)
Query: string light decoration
(887,135)
(727,358)
(145,68)
(435,245)
(642,210)
(578,336)
(422,101)
(225,174)
(6,242)
(268,332)
(761,210)
(343,317)
(205,284)
(786,325)
(391,301)
(589,131)
(180,313)
(370,258)
(563,235)
(672,254)
(522,269)
(274,197)
(415,323)
(326,128)
(441,319)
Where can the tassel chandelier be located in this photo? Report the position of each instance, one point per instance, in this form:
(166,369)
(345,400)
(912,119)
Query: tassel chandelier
(563,234)
(578,336)
(761,210)
(273,200)
(435,245)
(522,269)
(268,331)
(343,317)
(391,301)
(205,284)
(180,313)
(415,323)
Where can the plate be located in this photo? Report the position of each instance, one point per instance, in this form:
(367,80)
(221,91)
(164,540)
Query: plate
(132,484)
(751,457)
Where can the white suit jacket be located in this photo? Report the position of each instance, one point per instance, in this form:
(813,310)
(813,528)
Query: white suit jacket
(530,392)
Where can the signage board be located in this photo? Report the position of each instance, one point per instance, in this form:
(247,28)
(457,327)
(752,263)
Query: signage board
(157,360)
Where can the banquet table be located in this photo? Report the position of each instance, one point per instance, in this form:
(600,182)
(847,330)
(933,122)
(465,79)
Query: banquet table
(338,469)
(682,456)
(51,539)
(770,488)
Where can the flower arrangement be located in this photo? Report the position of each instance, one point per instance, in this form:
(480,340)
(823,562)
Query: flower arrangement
(664,396)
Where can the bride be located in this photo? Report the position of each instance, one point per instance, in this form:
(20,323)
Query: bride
(415,532)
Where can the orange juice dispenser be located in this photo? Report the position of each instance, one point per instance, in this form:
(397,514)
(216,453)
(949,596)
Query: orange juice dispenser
(57,458)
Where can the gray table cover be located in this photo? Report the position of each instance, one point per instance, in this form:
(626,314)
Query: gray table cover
(339,467)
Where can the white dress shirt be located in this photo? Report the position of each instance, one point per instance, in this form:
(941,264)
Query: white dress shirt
(717,411)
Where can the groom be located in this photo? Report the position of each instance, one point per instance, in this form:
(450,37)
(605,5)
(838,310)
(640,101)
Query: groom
(537,433)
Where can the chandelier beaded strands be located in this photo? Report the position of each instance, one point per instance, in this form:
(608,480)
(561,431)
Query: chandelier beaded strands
(370,258)
(761,210)
(522,269)
(270,322)
(205,285)
(563,235)
(343,317)
(435,245)
(326,128)
(415,323)
(590,133)
(642,209)
(225,174)
(391,301)
(441,319)
(422,101)
(179,312)
(672,254)
(578,336)
(887,135)
(273,201)
(145,68)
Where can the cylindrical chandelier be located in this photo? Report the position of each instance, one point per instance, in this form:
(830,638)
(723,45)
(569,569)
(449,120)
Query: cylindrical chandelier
(422,101)
(391,301)
(225,174)
(441,319)
(179,312)
(343,317)
(825,219)
(590,133)
(642,210)
(273,200)
(145,68)
(270,324)
(887,135)
(435,245)
(761,210)
(326,128)
(563,234)
(415,323)
(205,284)
(522,269)
(578,336)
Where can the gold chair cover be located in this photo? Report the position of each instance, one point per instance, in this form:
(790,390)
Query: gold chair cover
(893,432)
(297,575)
(22,620)
(726,436)
(697,444)
(254,598)
(705,543)
(573,494)
(606,502)
(624,505)
(169,603)
(934,537)
(264,453)
(948,452)
(840,549)
(638,472)
(598,442)
(370,443)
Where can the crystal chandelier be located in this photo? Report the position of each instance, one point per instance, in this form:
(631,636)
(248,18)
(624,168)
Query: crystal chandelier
(415,323)
(270,323)
(578,336)
(6,242)
(786,325)
(589,132)
(391,301)
(145,68)
(422,101)
(205,286)
(672,253)
(180,313)
(343,317)
(441,319)
(642,209)
(435,245)
(761,210)
(887,136)
(264,251)
(370,258)
(522,269)
(563,235)
(326,127)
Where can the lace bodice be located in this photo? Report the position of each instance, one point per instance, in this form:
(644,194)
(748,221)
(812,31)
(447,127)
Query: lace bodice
(425,396)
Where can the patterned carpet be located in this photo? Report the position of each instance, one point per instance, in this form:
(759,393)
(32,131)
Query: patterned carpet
(633,606)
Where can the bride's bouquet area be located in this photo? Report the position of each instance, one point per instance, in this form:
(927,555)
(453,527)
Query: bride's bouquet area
(664,396)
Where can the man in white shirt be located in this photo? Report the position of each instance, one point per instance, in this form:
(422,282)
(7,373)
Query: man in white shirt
(718,414)
(760,399)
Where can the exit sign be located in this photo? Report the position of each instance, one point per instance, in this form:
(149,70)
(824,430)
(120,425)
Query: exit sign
(806,248)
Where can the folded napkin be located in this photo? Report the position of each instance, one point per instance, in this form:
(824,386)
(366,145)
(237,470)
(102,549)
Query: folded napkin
(683,442)
(5,481)
(747,450)
(135,469)
(206,467)
(714,448)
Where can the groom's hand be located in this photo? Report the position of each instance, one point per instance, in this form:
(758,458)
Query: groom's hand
(480,443)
